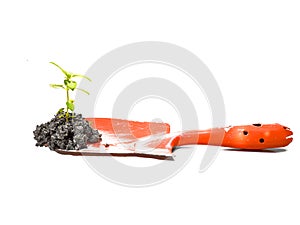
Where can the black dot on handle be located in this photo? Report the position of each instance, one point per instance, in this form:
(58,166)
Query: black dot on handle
(257,124)
(261,140)
(245,132)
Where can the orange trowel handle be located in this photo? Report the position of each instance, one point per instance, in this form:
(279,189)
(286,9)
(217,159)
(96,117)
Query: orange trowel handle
(255,136)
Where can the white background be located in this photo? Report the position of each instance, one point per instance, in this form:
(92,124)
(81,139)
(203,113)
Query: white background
(251,47)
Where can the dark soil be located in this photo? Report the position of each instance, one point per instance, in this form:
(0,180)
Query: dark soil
(60,134)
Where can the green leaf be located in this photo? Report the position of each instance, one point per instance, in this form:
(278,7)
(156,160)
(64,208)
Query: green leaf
(68,75)
(84,91)
(62,70)
(70,105)
(60,111)
(81,76)
(71,84)
(57,86)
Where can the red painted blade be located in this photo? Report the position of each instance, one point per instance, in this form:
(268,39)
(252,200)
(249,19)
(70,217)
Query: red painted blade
(127,129)
(126,138)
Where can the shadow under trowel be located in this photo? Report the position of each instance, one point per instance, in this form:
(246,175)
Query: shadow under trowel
(271,150)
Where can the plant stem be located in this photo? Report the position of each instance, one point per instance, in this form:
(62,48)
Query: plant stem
(68,98)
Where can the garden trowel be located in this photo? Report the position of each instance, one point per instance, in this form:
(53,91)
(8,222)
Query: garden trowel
(153,139)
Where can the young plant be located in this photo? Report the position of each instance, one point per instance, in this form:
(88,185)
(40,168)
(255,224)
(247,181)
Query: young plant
(69,85)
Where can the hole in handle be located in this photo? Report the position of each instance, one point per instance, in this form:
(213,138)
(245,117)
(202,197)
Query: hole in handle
(257,124)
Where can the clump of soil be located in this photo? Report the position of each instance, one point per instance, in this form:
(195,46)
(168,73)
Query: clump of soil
(73,134)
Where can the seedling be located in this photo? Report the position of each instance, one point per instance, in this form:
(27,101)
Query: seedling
(69,85)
